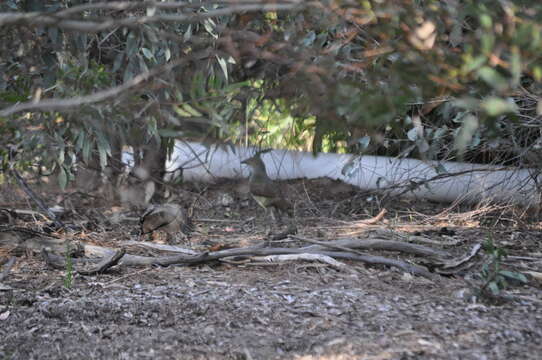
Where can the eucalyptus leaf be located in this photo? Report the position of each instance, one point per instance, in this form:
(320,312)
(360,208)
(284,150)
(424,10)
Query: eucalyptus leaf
(132,44)
(493,78)
(102,153)
(62,178)
(147,53)
(494,288)
(169,132)
(223,66)
(86,149)
(514,275)
(118,61)
(412,134)
(495,106)
(440,169)
(364,142)
(468,128)
(515,66)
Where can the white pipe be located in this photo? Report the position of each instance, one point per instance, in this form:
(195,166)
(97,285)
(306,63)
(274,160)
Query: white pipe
(477,183)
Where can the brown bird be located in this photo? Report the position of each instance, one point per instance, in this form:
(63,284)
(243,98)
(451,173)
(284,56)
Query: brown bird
(264,190)
(166,223)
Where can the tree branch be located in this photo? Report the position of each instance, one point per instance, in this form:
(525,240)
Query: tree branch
(62,104)
(45,19)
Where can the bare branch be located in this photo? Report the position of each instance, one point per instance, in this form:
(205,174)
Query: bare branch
(44,19)
(306,257)
(130,5)
(62,104)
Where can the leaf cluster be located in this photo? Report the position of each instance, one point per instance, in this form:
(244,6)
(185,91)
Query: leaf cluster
(428,79)
(495,278)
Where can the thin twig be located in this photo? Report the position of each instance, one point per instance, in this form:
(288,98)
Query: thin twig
(32,195)
(108,284)
(326,244)
(44,19)
(111,93)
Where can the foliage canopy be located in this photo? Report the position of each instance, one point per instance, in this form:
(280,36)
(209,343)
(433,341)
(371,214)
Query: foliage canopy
(81,79)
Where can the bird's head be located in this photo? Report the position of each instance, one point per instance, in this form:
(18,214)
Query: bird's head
(257,165)
(254,161)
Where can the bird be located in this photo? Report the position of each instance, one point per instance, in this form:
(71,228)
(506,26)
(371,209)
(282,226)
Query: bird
(166,223)
(264,190)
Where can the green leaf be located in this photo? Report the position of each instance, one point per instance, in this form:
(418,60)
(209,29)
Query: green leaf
(309,39)
(474,64)
(537,73)
(223,66)
(209,26)
(62,177)
(236,86)
(486,21)
(169,133)
(142,65)
(86,149)
(102,152)
(152,128)
(515,66)
(493,78)
(147,53)
(494,288)
(495,106)
(190,110)
(467,103)
(350,167)
(60,158)
(182,112)
(118,62)
(364,142)
(487,42)
(151,10)
(440,169)
(514,275)
(103,149)
(412,134)
(79,140)
(468,128)
(132,43)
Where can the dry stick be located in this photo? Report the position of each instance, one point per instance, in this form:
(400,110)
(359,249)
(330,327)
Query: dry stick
(378,244)
(373,220)
(327,245)
(108,284)
(258,250)
(252,251)
(307,257)
(32,195)
(380,260)
(206,257)
(106,263)
(96,265)
(414,269)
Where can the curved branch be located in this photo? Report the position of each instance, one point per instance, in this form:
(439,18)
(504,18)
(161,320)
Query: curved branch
(62,104)
(44,19)
(130,5)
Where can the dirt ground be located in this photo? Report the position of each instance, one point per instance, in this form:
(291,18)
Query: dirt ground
(266,310)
